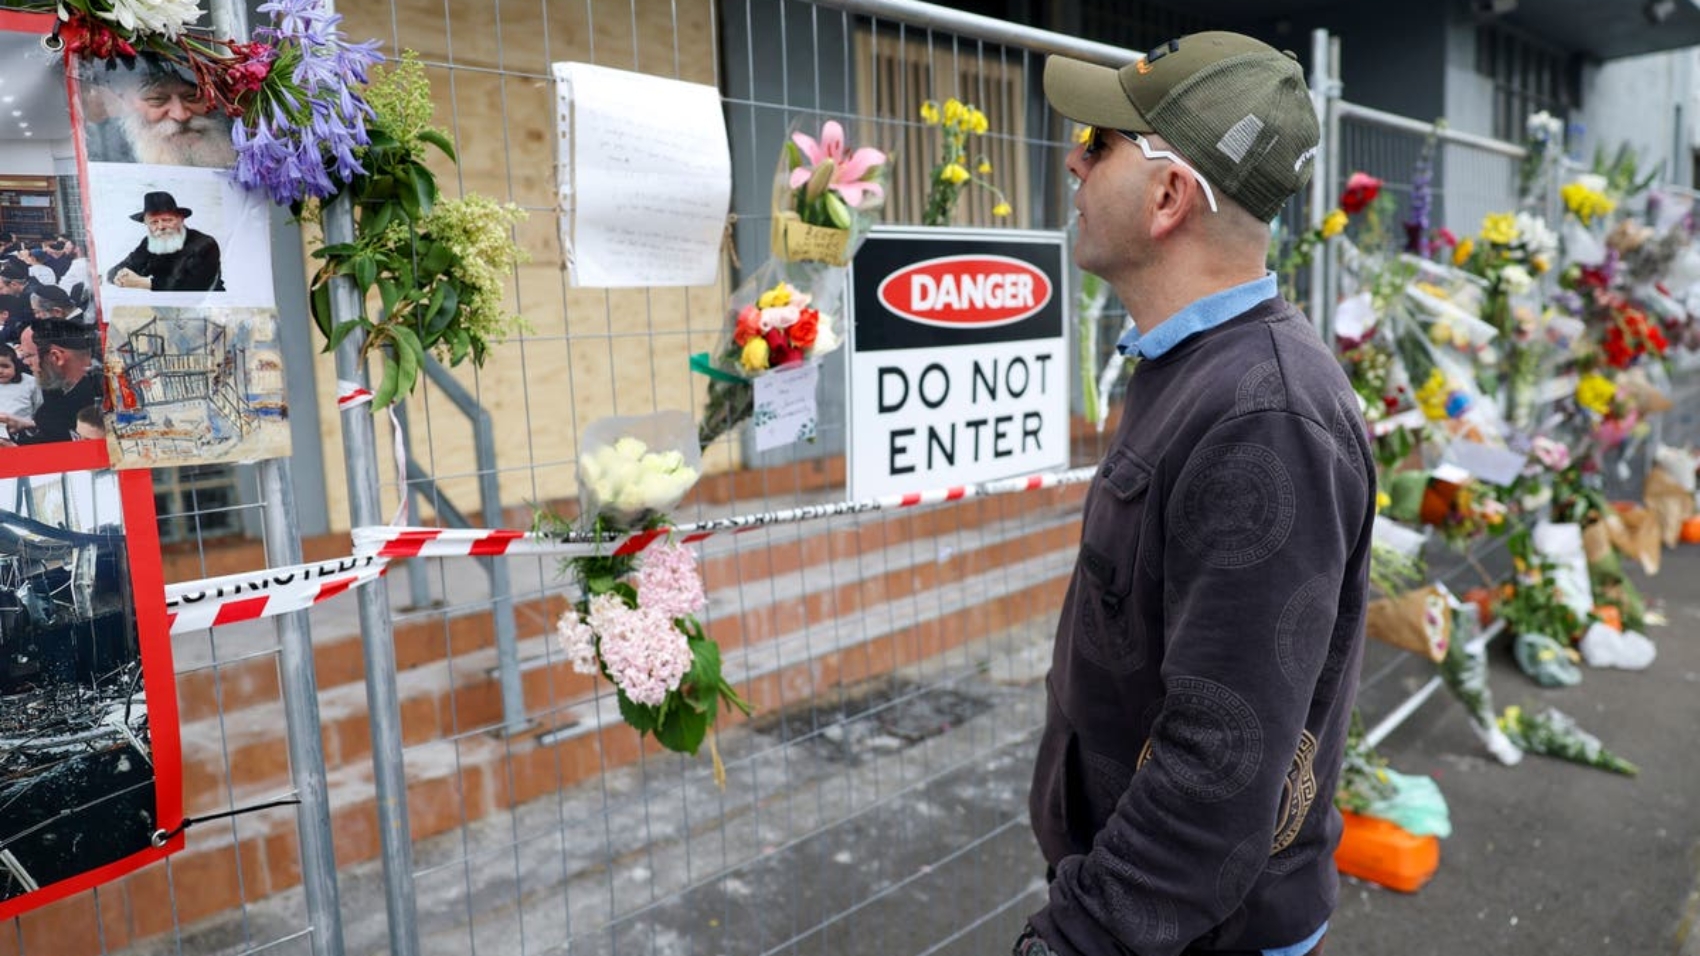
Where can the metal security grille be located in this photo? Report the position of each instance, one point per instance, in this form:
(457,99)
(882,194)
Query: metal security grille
(1528,76)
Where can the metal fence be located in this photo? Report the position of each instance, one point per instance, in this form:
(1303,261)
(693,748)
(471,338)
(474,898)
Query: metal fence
(463,791)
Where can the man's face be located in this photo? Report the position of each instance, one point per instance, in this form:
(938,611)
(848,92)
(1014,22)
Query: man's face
(171,100)
(11,286)
(27,353)
(163,225)
(1110,200)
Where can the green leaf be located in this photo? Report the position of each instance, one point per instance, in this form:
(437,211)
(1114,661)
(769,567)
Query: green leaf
(424,189)
(440,141)
(375,219)
(410,352)
(437,259)
(320,304)
(446,309)
(837,211)
(365,272)
(793,155)
(459,345)
(342,331)
(336,250)
(684,730)
(408,193)
(642,717)
(385,395)
(388,293)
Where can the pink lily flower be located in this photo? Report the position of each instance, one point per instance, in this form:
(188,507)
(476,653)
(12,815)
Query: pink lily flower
(848,170)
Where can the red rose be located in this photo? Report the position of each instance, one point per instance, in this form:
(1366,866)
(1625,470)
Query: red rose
(804,331)
(1361,190)
(749,325)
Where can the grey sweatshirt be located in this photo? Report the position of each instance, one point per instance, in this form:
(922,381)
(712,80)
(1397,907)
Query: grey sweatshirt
(1207,654)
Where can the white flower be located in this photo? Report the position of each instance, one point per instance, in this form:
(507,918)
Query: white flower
(1517,279)
(630,448)
(166,17)
(1537,237)
(1545,127)
(825,338)
(1593,181)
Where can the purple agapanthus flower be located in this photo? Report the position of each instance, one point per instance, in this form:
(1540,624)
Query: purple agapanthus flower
(284,149)
(1422,197)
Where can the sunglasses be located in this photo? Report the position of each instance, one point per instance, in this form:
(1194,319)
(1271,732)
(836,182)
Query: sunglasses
(1097,142)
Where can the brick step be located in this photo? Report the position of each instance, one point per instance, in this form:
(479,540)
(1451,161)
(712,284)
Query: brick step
(463,625)
(455,780)
(243,747)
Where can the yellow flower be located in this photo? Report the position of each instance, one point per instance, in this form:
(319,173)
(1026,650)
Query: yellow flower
(1440,333)
(779,295)
(754,358)
(1461,254)
(1540,265)
(954,112)
(1595,392)
(1586,203)
(1334,223)
(1499,228)
(985,167)
(1432,396)
(1002,209)
(1382,500)
(1083,135)
(977,122)
(930,113)
(954,173)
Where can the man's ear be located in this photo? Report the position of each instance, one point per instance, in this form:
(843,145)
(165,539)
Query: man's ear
(1172,199)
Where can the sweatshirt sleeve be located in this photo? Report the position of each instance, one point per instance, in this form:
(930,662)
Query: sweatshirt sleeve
(1258,528)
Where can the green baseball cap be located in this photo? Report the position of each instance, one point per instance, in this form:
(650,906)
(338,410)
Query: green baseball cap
(1238,109)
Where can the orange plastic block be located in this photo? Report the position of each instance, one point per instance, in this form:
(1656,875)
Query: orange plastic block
(1382,852)
(1690,532)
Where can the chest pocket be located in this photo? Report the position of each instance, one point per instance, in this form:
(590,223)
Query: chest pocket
(1109,542)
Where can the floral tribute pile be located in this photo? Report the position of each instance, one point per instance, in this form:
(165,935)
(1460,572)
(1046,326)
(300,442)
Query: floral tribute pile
(1503,375)
(315,118)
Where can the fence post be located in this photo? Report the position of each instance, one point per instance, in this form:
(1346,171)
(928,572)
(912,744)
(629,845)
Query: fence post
(296,677)
(377,632)
(1322,94)
(301,720)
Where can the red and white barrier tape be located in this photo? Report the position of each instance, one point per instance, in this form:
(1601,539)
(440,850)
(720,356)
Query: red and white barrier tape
(353,395)
(392,542)
(196,605)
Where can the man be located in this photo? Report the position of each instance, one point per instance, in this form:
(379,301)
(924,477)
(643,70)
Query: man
(153,113)
(52,302)
(1207,654)
(61,356)
(173,257)
(15,309)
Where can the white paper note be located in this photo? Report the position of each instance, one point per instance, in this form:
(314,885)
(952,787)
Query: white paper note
(1499,466)
(645,177)
(785,406)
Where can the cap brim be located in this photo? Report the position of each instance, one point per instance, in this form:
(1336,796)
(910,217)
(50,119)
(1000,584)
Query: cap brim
(1091,94)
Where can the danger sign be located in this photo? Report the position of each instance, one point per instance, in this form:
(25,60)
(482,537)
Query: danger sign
(958,370)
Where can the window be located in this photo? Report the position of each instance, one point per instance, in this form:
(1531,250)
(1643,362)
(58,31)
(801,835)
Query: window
(913,68)
(196,503)
(1528,77)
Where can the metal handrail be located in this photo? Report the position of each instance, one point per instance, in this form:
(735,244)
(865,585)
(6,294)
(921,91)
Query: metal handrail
(972,26)
(419,482)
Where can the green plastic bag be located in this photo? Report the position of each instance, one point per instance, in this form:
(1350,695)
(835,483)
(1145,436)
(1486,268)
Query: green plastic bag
(1546,660)
(1416,805)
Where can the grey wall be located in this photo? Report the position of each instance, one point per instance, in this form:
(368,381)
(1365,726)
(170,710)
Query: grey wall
(1646,101)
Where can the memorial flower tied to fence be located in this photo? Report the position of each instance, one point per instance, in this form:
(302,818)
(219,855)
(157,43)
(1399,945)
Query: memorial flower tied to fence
(635,620)
(826,196)
(956,122)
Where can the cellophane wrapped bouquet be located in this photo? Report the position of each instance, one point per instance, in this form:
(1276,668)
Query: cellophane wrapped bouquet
(635,620)
(827,194)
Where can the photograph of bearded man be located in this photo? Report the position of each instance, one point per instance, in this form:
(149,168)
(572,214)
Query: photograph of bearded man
(172,257)
(154,113)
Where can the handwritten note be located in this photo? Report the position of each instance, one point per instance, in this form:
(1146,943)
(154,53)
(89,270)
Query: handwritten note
(785,406)
(645,177)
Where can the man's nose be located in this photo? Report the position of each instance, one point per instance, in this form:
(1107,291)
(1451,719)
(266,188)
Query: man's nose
(179,110)
(1076,162)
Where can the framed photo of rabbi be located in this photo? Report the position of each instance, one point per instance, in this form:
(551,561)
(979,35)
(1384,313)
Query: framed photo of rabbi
(168,235)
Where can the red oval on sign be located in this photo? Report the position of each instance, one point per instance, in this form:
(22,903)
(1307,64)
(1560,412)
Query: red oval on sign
(959,292)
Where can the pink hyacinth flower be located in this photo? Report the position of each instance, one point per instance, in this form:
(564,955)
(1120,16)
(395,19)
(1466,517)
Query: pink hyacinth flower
(848,170)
